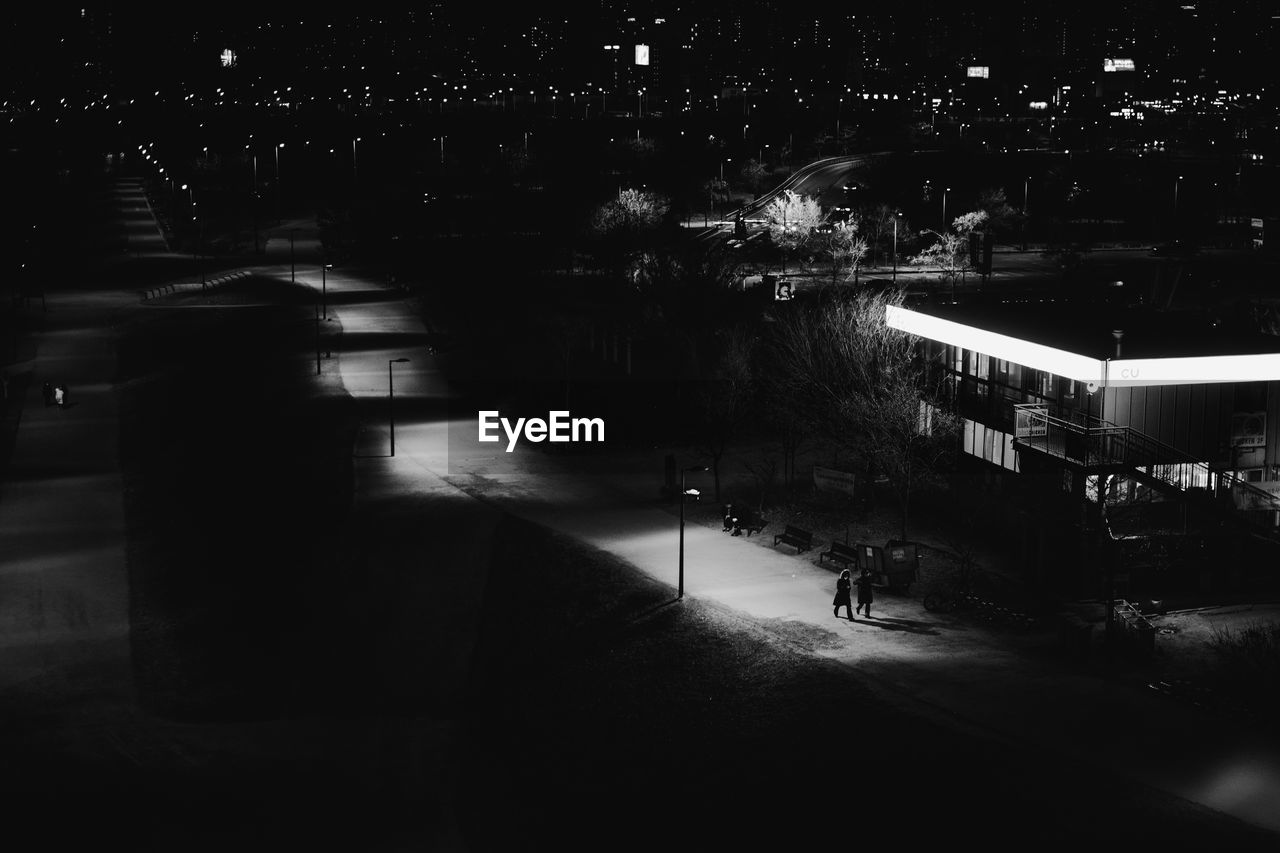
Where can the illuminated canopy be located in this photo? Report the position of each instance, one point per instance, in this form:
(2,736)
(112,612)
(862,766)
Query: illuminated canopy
(1112,372)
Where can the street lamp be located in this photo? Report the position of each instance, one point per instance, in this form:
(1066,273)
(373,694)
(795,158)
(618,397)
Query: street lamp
(324,288)
(391,400)
(1175,196)
(355,164)
(944,208)
(253,202)
(895,245)
(683,493)
(279,145)
(1026,184)
(317,311)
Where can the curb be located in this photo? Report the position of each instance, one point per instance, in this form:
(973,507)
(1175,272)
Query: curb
(176,287)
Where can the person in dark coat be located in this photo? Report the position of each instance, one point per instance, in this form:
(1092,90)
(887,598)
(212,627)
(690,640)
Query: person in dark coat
(864,592)
(48,393)
(843,587)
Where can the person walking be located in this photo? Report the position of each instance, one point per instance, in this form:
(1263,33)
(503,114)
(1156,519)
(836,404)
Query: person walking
(864,593)
(843,587)
(59,395)
(48,394)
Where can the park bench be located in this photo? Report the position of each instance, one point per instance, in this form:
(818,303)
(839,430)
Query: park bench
(841,553)
(801,539)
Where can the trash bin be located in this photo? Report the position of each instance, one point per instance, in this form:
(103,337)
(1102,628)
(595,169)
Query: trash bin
(901,563)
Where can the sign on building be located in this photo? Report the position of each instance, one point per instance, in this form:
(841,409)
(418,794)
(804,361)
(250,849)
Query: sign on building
(981,71)
(1110,65)
(1031,421)
(642,54)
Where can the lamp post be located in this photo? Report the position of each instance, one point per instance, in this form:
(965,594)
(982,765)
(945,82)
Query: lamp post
(683,493)
(317,338)
(253,202)
(1026,188)
(391,401)
(279,145)
(895,245)
(1176,181)
(355,163)
(944,208)
(292,267)
(324,289)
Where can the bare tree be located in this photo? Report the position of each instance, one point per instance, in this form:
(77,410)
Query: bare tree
(791,218)
(632,211)
(1002,217)
(950,251)
(753,175)
(864,386)
(845,247)
(623,226)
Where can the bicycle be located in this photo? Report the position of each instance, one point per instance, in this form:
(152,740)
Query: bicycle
(964,592)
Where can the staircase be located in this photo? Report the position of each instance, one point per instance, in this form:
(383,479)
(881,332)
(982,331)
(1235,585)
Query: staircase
(1101,447)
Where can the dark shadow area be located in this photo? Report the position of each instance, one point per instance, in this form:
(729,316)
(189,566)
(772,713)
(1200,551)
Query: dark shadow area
(234,480)
(895,625)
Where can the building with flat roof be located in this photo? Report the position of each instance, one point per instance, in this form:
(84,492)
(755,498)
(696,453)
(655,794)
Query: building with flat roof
(1119,407)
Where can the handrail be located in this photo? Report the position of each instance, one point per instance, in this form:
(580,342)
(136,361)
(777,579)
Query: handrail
(1119,445)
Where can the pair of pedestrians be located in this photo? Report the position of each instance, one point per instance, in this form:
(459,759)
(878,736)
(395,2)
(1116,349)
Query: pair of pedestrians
(55,395)
(844,585)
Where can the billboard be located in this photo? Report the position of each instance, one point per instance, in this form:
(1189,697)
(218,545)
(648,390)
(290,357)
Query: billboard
(1109,65)
(642,54)
(228,58)
(983,71)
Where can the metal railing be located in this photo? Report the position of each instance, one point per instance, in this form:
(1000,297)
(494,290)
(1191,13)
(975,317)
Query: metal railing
(1109,446)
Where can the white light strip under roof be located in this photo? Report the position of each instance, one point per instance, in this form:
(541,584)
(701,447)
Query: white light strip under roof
(1260,367)
(1056,361)
(1112,373)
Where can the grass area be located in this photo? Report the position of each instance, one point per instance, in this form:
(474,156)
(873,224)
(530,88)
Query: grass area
(1248,665)
(232,475)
